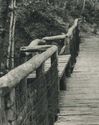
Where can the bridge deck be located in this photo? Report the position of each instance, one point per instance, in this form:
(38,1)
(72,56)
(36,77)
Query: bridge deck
(79,105)
(63,61)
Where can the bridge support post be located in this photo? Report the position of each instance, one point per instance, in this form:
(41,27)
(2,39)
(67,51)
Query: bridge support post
(63,82)
(52,81)
(54,60)
(7,107)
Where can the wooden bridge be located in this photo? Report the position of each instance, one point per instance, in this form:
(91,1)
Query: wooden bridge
(49,87)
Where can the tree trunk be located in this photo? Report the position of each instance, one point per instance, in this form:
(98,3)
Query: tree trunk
(13,35)
(84,3)
(10,58)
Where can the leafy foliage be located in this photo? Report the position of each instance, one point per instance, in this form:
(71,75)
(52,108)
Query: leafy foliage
(38,18)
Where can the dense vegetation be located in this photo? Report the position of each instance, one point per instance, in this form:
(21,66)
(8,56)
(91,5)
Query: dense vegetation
(38,18)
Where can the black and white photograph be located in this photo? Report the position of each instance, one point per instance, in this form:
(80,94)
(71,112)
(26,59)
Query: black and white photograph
(49,62)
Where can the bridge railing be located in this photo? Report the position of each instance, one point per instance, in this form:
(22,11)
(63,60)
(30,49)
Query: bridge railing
(28,94)
(67,43)
(70,40)
(30,100)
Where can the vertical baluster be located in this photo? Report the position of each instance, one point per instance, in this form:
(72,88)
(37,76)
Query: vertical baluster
(67,43)
(54,60)
(78,39)
(7,107)
(40,75)
(11,114)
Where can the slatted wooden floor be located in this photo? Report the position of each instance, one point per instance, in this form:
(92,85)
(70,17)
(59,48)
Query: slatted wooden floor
(63,61)
(79,105)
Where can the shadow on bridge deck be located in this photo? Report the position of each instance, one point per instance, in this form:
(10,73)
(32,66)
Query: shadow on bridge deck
(79,105)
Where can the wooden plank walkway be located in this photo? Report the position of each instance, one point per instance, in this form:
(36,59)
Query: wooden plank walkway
(79,105)
(63,61)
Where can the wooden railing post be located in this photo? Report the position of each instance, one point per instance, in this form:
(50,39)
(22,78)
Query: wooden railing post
(54,60)
(35,99)
(77,38)
(11,114)
(41,76)
(53,89)
(74,45)
(7,107)
(67,39)
(54,57)
(71,44)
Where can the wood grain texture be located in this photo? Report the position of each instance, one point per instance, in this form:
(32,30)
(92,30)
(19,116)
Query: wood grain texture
(35,48)
(79,105)
(16,75)
(63,36)
(63,61)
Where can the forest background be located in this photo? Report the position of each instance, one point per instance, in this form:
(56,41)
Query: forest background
(22,21)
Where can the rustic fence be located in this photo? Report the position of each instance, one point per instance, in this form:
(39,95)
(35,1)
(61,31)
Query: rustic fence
(28,94)
(27,101)
(69,42)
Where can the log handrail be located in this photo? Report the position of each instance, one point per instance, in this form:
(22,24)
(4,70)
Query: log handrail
(39,93)
(57,37)
(35,48)
(12,78)
(46,39)
(9,79)
(36,42)
(63,36)
(71,29)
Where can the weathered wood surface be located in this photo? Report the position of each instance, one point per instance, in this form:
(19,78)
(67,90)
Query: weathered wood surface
(35,100)
(63,61)
(36,42)
(35,48)
(16,75)
(63,36)
(79,105)
(70,31)
(63,64)
(58,37)
(66,39)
